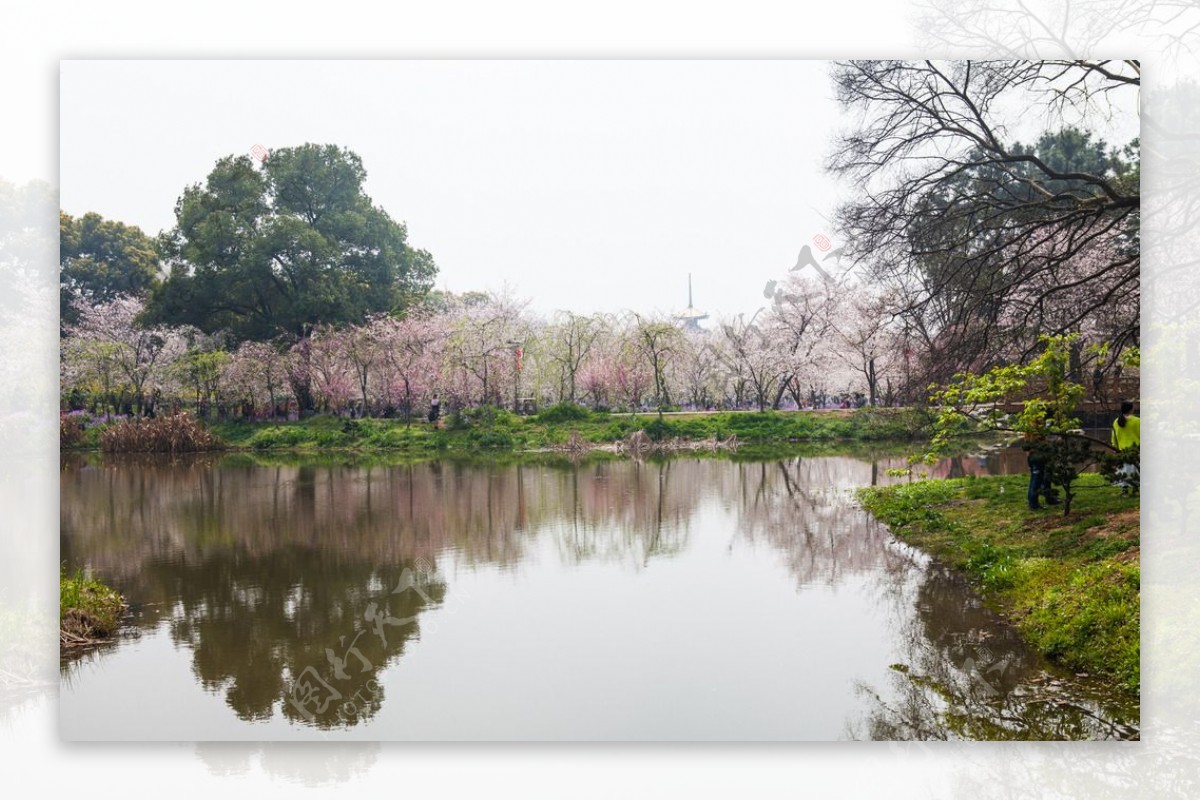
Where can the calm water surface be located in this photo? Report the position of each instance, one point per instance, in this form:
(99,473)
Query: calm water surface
(690,599)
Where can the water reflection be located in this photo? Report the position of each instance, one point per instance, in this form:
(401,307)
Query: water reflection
(803,507)
(966,675)
(262,630)
(298,591)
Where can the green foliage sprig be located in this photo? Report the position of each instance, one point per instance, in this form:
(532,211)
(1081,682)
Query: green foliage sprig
(1047,419)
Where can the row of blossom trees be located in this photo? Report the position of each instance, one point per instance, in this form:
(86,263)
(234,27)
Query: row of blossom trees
(816,343)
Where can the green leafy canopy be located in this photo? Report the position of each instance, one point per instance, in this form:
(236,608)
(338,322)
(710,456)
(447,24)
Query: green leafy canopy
(262,251)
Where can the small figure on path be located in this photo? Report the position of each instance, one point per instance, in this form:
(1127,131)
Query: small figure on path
(435,410)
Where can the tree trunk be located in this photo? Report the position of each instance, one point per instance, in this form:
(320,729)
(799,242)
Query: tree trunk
(872,383)
(783,388)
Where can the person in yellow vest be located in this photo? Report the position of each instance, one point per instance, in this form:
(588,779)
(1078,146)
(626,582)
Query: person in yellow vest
(1126,434)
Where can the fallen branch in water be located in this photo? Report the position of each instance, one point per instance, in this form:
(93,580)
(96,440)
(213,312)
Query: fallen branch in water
(67,639)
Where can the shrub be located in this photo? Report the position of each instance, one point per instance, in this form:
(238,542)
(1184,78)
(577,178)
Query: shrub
(658,429)
(563,413)
(1112,466)
(492,440)
(479,417)
(391,438)
(615,430)
(325,422)
(174,433)
(70,431)
(277,437)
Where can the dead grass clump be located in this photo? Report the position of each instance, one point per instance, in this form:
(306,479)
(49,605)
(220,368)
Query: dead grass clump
(70,431)
(176,433)
(638,442)
(577,444)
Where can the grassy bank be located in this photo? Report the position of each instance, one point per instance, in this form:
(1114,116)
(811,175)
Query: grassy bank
(1070,584)
(488,429)
(88,610)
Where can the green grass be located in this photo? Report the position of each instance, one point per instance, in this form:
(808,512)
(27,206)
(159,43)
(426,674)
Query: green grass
(102,604)
(489,429)
(1070,584)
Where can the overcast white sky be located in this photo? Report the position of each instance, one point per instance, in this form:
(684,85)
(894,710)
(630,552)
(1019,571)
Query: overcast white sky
(586,185)
(583,185)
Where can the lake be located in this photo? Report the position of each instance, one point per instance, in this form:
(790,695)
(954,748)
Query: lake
(690,598)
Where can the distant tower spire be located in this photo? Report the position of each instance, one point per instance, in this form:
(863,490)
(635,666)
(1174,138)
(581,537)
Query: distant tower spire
(691,317)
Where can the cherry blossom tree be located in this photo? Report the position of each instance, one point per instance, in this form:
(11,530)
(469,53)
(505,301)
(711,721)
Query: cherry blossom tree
(413,349)
(751,351)
(256,375)
(656,343)
(332,378)
(866,340)
(107,349)
(598,374)
(569,339)
(800,322)
(363,350)
(474,349)
(480,347)
(701,374)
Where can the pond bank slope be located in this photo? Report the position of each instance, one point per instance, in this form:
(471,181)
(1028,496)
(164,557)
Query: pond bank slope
(1070,584)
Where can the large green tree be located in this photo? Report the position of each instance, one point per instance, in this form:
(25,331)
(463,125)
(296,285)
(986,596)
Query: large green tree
(100,260)
(263,251)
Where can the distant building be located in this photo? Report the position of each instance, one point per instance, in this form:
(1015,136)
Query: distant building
(691,316)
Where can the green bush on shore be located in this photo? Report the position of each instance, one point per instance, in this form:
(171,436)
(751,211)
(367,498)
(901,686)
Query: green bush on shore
(563,413)
(87,609)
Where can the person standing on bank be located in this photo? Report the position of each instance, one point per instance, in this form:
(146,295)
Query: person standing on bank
(1039,476)
(1127,434)
(435,410)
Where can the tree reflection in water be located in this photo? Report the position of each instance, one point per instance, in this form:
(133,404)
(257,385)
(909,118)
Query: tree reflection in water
(968,675)
(259,626)
(282,580)
(804,508)
(295,585)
